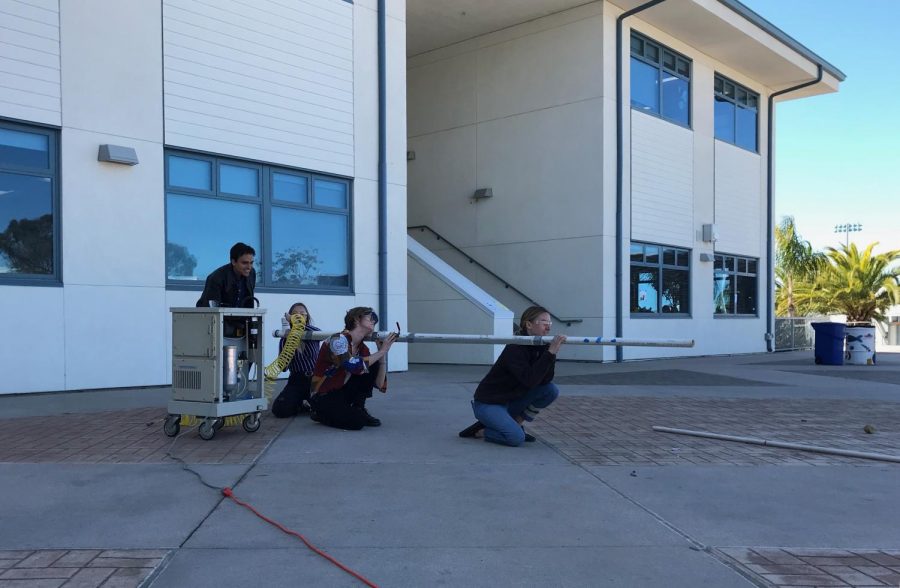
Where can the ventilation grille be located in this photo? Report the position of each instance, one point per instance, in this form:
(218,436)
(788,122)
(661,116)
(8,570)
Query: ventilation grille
(187,379)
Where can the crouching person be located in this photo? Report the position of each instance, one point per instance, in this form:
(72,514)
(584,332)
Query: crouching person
(517,386)
(346,372)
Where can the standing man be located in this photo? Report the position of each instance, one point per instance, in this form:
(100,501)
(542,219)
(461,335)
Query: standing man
(232,285)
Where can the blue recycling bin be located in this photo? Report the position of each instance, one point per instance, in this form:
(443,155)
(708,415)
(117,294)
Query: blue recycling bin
(829,346)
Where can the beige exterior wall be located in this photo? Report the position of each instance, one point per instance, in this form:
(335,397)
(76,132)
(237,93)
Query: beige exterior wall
(547,149)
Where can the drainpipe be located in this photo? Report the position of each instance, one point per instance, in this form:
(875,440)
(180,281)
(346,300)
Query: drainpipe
(382,166)
(620,168)
(770,270)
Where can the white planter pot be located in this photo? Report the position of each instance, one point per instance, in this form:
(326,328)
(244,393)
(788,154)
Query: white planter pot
(860,345)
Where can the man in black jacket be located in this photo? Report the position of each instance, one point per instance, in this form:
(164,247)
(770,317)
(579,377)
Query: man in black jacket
(232,285)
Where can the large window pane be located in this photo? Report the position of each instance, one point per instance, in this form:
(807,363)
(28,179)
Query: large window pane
(332,194)
(22,149)
(26,224)
(289,188)
(637,252)
(190,173)
(746,294)
(724,120)
(746,128)
(194,249)
(675,99)
(675,290)
(644,294)
(723,292)
(236,179)
(309,248)
(644,86)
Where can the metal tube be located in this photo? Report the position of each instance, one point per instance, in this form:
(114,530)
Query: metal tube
(511,340)
(620,169)
(230,368)
(782,444)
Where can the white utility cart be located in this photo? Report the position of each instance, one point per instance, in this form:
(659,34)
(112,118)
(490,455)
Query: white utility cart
(217,370)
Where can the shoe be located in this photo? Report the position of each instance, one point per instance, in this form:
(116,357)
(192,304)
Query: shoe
(471,429)
(314,416)
(529,438)
(370,420)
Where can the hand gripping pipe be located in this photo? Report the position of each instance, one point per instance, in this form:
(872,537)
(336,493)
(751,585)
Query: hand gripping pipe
(513,340)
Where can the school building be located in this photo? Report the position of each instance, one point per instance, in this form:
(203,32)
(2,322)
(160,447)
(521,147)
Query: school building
(446,163)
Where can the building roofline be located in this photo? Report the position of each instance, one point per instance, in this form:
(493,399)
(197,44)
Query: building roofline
(785,38)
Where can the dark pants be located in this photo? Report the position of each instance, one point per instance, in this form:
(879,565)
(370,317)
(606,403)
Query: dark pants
(345,408)
(290,401)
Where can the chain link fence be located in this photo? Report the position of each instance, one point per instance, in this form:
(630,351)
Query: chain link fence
(795,333)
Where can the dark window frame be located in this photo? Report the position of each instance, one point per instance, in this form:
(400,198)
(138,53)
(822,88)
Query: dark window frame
(749,101)
(660,266)
(662,52)
(53,172)
(266,201)
(720,265)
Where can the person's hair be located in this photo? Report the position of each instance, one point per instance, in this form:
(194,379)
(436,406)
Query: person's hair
(530,315)
(308,316)
(239,249)
(354,315)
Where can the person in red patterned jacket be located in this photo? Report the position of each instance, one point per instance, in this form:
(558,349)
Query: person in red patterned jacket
(346,372)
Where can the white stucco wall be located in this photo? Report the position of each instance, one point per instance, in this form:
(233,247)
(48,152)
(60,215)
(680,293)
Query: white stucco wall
(109,324)
(547,149)
(518,111)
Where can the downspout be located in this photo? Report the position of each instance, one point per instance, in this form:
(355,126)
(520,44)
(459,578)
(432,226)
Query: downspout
(382,166)
(770,270)
(620,168)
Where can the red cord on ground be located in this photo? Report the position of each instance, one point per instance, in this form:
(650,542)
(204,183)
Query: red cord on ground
(230,494)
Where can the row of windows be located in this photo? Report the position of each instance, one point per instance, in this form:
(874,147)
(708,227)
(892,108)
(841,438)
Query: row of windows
(660,85)
(661,281)
(298,222)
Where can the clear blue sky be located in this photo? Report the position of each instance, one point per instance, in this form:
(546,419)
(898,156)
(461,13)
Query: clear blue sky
(838,155)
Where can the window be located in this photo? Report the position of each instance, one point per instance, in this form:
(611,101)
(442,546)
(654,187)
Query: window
(298,222)
(29,205)
(735,285)
(736,114)
(660,279)
(660,80)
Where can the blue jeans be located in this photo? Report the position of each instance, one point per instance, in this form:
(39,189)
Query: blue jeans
(499,420)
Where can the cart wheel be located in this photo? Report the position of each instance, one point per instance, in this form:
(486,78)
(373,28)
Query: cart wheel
(218,423)
(207,429)
(172,425)
(251,422)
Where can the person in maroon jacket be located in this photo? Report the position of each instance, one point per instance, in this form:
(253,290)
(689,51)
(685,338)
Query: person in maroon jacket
(518,385)
(346,372)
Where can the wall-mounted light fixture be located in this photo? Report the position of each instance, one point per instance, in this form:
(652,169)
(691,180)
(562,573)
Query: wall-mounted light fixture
(117,154)
(482,193)
(706,257)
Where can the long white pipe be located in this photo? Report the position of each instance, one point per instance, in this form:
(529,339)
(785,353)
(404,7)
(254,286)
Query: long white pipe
(513,340)
(782,444)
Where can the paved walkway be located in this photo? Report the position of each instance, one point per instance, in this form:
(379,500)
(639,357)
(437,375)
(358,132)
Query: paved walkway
(90,498)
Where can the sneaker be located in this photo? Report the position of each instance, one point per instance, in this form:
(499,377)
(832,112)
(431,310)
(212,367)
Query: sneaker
(314,416)
(528,438)
(370,420)
(471,430)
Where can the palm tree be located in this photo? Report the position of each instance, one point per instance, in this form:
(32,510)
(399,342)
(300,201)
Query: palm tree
(796,267)
(859,284)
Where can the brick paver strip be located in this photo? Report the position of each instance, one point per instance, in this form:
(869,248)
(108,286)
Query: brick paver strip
(815,568)
(126,436)
(79,568)
(89,578)
(600,431)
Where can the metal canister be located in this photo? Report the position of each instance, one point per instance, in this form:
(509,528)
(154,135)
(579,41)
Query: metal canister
(230,368)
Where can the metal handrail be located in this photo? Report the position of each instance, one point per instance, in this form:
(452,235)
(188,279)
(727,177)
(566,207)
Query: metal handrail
(569,321)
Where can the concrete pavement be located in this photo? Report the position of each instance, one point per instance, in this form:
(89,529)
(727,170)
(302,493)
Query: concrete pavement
(599,500)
